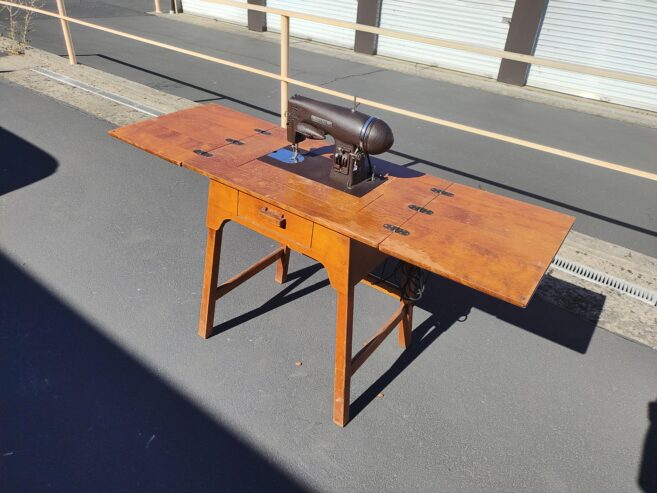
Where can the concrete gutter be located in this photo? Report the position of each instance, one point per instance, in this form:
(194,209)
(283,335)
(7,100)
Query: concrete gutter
(20,69)
(605,307)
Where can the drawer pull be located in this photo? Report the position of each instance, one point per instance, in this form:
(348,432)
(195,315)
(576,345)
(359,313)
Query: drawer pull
(273,217)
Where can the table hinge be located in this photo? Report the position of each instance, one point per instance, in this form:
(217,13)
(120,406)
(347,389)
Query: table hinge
(440,191)
(203,153)
(234,141)
(420,209)
(397,229)
(261,131)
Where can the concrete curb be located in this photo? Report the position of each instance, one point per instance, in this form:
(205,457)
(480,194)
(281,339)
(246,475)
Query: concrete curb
(18,69)
(604,307)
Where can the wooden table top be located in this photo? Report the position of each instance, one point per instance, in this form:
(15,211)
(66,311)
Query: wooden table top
(491,243)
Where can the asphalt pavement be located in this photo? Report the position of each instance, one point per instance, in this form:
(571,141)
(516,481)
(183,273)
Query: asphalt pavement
(105,385)
(608,205)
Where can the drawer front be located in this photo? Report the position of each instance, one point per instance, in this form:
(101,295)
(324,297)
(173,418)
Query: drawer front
(274,221)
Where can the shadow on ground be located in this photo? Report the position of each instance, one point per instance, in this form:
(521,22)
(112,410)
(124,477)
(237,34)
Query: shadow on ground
(648,472)
(81,414)
(78,411)
(21,163)
(215,96)
(448,304)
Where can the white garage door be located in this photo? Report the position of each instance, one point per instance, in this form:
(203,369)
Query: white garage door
(611,34)
(479,22)
(216,11)
(344,10)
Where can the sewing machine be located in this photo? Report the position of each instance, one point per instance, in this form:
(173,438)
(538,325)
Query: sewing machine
(356,136)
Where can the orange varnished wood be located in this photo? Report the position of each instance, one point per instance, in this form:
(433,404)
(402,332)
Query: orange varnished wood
(324,205)
(282,264)
(161,141)
(210,275)
(175,136)
(236,155)
(216,121)
(292,228)
(399,193)
(221,199)
(346,260)
(249,272)
(493,244)
(344,325)
(370,346)
(406,326)
(382,286)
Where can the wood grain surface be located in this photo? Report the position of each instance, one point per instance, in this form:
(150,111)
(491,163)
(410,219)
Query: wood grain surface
(176,136)
(496,245)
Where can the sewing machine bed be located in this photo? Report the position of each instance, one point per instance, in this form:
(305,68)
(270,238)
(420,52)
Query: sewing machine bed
(317,165)
(491,243)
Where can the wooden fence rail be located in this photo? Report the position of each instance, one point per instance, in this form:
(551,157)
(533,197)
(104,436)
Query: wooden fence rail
(285,80)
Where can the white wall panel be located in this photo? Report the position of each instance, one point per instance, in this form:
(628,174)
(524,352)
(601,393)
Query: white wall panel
(479,22)
(344,10)
(216,11)
(611,34)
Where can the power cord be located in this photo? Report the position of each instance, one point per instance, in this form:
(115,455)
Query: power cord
(409,279)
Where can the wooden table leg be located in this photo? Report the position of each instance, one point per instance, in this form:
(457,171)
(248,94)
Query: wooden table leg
(343,337)
(209,292)
(406,326)
(281,265)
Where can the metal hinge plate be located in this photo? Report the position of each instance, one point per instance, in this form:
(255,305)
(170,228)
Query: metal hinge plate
(203,153)
(420,209)
(397,229)
(440,191)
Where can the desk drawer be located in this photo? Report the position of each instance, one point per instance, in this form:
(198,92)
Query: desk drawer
(283,224)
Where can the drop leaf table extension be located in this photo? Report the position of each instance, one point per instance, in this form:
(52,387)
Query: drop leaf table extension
(499,246)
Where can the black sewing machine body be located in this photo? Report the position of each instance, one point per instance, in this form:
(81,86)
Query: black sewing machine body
(356,135)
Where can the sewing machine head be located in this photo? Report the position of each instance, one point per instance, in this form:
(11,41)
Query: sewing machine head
(356,135)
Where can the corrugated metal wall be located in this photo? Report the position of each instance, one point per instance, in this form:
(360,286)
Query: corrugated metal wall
(216,11)
(612,34)
(344,10)
(480,22)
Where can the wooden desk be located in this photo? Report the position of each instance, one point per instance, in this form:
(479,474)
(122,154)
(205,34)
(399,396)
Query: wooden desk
(496,245)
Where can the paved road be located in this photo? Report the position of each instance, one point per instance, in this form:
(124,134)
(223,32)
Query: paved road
(608,205)
(105,385)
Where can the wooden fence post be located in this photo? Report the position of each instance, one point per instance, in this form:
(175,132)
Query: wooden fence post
(285,59)
(67,33)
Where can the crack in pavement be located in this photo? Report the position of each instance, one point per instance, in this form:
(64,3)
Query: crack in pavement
(352,75)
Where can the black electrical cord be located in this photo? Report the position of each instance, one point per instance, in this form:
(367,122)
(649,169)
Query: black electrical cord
(371,168)
(413,282)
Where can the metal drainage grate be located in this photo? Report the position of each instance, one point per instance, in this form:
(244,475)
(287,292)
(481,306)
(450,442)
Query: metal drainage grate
(595,276)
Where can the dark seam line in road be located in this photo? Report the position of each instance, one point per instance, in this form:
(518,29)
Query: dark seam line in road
(186,84)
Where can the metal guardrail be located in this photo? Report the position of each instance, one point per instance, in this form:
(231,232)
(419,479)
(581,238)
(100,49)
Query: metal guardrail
(285,80)
(471,48)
